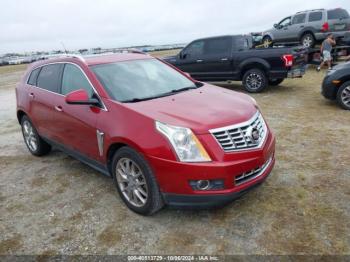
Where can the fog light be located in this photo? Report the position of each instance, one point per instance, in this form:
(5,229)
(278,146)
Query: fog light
(203,185)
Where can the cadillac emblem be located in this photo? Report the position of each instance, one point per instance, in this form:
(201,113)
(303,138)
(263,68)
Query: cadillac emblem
(253,134)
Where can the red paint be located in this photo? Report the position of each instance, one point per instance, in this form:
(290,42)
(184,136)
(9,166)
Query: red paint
(133,124)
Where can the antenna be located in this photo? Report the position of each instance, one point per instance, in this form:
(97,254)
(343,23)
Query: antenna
(64,48)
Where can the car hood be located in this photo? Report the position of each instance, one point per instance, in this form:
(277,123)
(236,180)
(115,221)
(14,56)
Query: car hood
(341,66)
(201,109)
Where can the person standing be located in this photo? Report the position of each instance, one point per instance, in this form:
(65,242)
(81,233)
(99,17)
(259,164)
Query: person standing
(326,50)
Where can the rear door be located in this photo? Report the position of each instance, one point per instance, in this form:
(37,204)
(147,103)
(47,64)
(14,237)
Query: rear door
(298,25)
(76,124)
(338,20)
(43,95)
(316,20)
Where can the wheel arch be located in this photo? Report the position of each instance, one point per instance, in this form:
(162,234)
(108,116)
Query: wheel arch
(20,114)
(254,64)
(117,144)
(307,30)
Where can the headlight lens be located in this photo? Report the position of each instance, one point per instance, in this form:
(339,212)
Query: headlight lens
(185,143)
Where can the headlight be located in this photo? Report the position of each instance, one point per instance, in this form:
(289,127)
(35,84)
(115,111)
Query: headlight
(185,143)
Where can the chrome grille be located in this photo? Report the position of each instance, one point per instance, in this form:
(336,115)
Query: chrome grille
(245,177)
(239,137)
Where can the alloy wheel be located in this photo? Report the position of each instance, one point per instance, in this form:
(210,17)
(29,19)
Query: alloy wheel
(254,81)
(132,182)
(29,136)
(307,41)
(345,96)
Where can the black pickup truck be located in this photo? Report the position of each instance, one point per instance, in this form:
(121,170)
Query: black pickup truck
(225,58)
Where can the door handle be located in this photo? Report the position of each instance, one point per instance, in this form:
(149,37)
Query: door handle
(199,61)
(59,108)
(31,95)
(224,59)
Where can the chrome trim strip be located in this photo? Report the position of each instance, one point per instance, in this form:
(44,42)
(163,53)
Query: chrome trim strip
(100,141)
(239,125)
(260,172)
(104,106)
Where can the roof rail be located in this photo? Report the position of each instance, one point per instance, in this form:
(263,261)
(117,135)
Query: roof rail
(311,10)
(80,57)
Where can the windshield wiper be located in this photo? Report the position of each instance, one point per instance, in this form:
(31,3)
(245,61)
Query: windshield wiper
(174,91)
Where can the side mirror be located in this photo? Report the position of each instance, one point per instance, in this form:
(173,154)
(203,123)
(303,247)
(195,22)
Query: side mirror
(81,97)
(275,26)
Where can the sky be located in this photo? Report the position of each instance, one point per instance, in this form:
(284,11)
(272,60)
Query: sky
(34,25)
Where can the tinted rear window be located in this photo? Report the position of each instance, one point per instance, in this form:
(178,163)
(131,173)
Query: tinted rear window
(33,77)
(337,14)
(217,46)
(315,16)
(299,19)
(50,77)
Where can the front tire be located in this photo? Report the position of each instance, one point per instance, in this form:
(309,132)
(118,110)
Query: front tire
(275,82)
(308,40)
(135,182)
(267,41)
(343,96)
(254,81)
(35,144)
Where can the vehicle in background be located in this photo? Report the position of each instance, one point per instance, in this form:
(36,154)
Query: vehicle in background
(16,60)
(336,85)
(309,27)
(163,137)
(225,58)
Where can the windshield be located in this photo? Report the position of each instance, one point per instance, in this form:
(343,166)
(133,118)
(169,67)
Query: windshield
(140,80)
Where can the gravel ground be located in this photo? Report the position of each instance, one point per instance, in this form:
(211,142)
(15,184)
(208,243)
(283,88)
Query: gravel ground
(57,205)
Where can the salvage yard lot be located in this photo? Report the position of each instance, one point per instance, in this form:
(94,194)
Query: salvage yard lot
(57,205)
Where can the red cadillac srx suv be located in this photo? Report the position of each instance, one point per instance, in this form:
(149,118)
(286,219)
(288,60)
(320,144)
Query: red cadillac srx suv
(163,137)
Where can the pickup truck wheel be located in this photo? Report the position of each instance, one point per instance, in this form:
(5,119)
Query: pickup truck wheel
(343,96)
(308,40)
(135,182)
(275,82)
(254,80)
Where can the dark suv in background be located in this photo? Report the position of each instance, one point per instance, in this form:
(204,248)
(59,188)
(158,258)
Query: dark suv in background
(309,27)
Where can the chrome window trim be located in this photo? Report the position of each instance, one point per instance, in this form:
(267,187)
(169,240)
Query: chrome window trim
(104,108)
(246,123)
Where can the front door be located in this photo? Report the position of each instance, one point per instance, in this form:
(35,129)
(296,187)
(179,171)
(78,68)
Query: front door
(76,124)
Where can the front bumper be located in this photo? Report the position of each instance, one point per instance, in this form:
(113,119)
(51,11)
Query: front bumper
(174,177)
(329,90)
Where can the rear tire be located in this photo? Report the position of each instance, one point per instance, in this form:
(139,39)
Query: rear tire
(308,40)
(254,80)
(275,82)
(35,144)
(135,182)
(343,96)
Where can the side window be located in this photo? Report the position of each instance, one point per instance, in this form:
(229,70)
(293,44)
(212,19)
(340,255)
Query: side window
(337,14)
(33,77)
(195,49)
(74,79)
(285,22)
(299,19)
(217,46)
(49,77)
(315,16)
